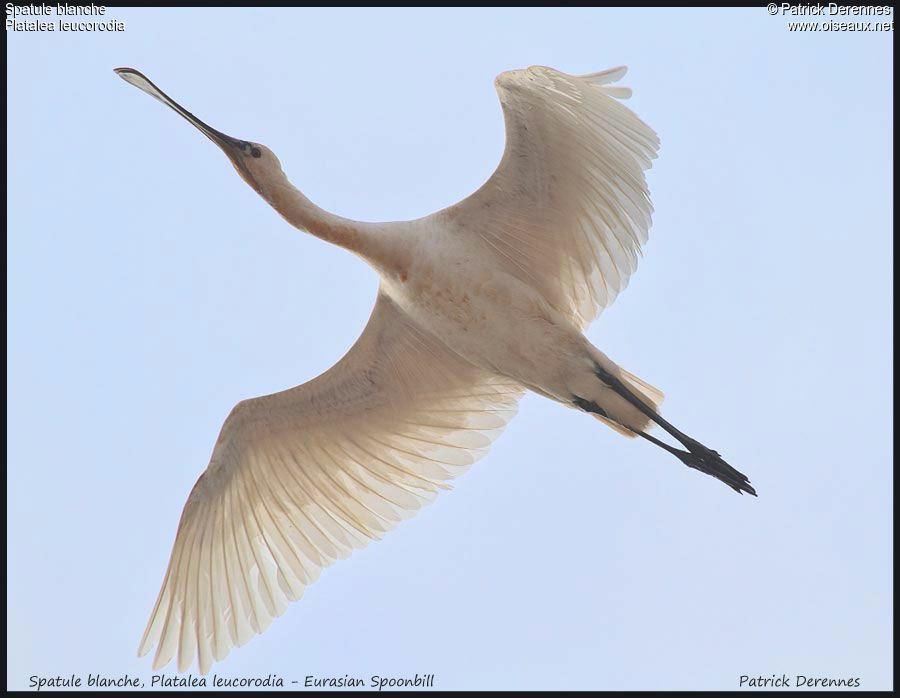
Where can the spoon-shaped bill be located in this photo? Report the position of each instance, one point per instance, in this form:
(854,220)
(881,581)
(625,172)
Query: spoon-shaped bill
(141,81)
(234,148)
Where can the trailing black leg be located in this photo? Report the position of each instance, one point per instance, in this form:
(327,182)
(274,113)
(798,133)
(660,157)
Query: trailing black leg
(697,455)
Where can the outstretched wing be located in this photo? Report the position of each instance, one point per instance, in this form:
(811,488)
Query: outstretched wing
(299,478)
(567,208)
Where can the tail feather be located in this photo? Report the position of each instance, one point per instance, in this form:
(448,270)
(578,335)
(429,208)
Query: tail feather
(614,410)
(617,427)
(648,394)
(652,396)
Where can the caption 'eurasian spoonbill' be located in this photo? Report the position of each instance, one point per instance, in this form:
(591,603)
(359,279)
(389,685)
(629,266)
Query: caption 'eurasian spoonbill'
(477,303)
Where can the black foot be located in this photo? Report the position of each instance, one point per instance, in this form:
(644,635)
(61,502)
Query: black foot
(706,461)
(710,462)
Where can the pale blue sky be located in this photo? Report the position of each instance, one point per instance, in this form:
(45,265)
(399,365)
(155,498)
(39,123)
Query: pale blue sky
(150,290)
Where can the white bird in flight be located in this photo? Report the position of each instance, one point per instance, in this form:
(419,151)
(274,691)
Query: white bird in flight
(477,303)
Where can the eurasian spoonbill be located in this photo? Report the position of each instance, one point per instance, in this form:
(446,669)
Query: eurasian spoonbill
(478,303)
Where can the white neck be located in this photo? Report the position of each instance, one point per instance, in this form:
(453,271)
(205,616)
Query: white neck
(367,240)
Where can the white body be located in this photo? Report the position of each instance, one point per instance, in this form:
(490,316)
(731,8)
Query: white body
(459,292)
(480,311)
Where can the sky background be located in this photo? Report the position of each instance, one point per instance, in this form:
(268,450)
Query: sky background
(150,289)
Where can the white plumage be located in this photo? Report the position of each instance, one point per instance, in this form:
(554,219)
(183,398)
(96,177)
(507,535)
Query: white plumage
(478,302)
(567,209)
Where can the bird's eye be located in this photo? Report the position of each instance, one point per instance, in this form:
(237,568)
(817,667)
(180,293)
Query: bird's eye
(255,152)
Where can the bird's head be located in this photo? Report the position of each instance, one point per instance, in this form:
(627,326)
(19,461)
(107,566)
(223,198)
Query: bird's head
(255,163)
